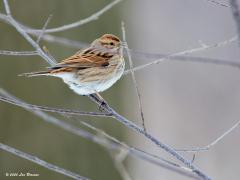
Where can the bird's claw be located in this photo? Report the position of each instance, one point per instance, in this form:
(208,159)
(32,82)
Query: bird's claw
(102,106)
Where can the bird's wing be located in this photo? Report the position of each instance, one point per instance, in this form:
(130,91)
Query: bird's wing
(88,58)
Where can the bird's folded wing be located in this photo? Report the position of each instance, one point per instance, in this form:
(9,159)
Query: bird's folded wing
(83,61)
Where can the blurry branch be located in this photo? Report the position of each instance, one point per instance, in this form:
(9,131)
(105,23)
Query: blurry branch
(43,29)
(216,141)
(236,15)
(133,76)
(40,162)
(118,159)
(93,17)
(154,140)
(18,53)
(54,110)
(134,152)
(218,3)
(104,139)
(8,18)
(7,9)
(186,52)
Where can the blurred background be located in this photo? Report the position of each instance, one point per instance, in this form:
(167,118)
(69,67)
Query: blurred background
(185,104)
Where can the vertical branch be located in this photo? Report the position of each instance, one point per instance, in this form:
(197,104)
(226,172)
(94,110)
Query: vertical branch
(133,76)
(7,9)
(236,15)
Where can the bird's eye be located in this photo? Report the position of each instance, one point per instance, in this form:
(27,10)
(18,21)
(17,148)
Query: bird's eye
(111,43)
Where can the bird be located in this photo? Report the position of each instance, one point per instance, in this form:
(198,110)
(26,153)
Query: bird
(91,70)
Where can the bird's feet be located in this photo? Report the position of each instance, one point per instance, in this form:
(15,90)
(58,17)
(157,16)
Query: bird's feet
(102,106)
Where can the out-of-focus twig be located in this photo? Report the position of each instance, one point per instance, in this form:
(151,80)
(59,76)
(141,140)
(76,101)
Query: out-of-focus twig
(93,17)
(236,15)
(18,53)
(50,109)
(104,139)
(40,162)
(153,139)
(43,29)
(118,159)
(15,24)
(186,52)
(133,76)
(216,141)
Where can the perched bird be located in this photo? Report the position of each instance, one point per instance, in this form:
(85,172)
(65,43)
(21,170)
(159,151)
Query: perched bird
(91,70)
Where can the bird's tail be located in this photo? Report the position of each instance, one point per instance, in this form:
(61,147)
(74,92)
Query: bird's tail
(32,74)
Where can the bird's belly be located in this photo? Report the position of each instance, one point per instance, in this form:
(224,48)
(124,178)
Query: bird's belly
(86,88)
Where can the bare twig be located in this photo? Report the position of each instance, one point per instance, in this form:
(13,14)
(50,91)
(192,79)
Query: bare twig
(216,141)
(41,162)
(43,29)
(118,163)
(15,24)
(186,52)
(55,110)
(105,139)
(93,17)
(236,15)
(134,152)
(133,76)
(154,140)
(18,53)
(7,9)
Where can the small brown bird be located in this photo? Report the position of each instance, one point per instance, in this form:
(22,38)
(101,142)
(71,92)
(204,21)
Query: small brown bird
(91,70)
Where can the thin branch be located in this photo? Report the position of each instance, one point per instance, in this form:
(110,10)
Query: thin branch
(18,53)
(7,9)
(216,141)
(186,52)
(40,162)
(134,152)
(44,29)
(105,140)
(93,17)
(154,140)
(133,76)
(54,110)
(118,163)
(15,24)
(236,15)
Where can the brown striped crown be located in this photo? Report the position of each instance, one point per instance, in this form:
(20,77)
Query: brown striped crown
(109,41)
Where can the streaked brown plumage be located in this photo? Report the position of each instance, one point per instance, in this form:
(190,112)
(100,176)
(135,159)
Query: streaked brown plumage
(91,70)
